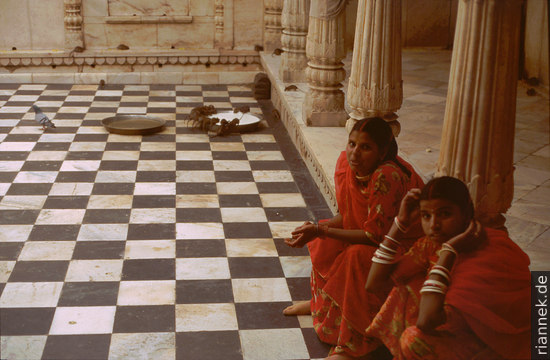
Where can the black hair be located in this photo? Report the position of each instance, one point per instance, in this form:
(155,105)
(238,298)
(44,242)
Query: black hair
(380,132)
(451,189)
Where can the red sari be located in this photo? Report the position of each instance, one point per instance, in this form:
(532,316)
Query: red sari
(487,304)
(340,305)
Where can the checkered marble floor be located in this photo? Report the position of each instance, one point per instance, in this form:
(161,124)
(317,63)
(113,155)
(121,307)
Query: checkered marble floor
(166,246)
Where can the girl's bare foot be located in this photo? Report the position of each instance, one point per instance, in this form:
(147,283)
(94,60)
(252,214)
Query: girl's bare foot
(301,308)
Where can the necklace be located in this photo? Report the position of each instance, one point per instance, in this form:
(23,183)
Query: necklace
(362,178)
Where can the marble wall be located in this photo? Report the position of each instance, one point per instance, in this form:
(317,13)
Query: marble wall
(428,22)
(31,24)
(536,41)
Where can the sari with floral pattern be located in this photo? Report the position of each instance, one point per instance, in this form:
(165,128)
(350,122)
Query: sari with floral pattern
(340,305)
(487,305)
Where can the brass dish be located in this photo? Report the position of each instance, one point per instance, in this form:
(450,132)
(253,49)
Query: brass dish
(133,124)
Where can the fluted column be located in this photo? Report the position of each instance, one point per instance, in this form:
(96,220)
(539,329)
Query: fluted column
(73,25)
(324,101)
(478,131)
(375,85)
(272,24)
(295,20)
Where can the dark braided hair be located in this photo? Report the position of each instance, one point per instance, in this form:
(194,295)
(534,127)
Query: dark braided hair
(380,132)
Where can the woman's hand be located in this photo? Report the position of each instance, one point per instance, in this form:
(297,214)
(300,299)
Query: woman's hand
(409,210)
(467,240)
(302,235)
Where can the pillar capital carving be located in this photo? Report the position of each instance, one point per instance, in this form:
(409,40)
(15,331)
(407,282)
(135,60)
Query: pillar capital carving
(478,130)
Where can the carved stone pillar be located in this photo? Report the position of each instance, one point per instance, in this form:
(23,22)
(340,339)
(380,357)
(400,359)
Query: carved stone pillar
(325,49)
(478,131)
(294,19)
(272,24)
(73,25)
(218,18)
(375,86)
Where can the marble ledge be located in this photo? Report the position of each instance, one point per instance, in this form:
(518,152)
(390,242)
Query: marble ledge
(145,77)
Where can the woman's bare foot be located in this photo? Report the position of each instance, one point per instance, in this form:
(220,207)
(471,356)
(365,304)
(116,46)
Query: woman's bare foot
(339,357)
(301,308)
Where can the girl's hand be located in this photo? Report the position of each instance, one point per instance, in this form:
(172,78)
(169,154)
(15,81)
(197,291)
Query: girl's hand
(302,235)
(409,210)
(467,240)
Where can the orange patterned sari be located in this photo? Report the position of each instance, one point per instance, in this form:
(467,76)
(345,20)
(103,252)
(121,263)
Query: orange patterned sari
(487,304)
(340,305)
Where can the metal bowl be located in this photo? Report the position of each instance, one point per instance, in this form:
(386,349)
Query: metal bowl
(247,121)
(133,124)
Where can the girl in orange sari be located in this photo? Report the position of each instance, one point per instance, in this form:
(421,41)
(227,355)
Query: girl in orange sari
(370,182)
(462,291)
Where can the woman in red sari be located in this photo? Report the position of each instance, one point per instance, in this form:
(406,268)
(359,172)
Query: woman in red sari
(370,182)
(462,291)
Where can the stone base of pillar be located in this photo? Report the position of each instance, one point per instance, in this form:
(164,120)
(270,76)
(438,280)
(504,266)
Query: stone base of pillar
(272,40)
(337,119)
(324,109)
(293,75)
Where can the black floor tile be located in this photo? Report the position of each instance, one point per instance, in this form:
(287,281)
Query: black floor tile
(268,165)
(113,189)
(101,293)
(66,202)
(54,232)
(25,321)
(264,315)
(10,250)
(229,155)
(149,269)
(247,230)
(106,216)
(245,200)
(300,288)
(149,318)
(153,201)
(29,189)
(200,248)
(156,176)
(89,250)
(71,347)
(118,165)
(277,187)
(233,176)
(200,345)
(35,271)
(84,155)
(76,176)
(41,165)
(285,250)
(151,231)
(194,165)
(255,267)
(15,217)
(196,188)
(194,215)
(204,291)
(288,214)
